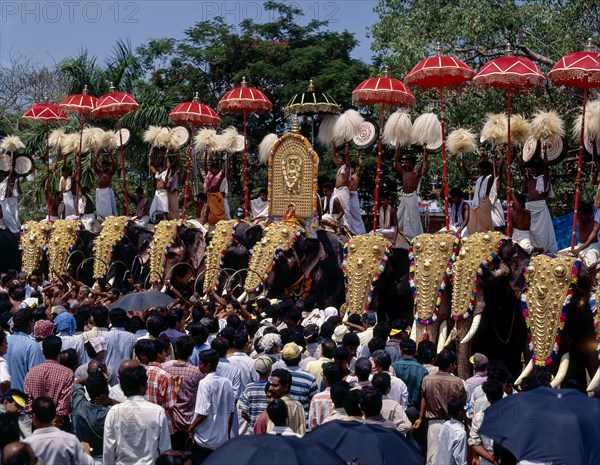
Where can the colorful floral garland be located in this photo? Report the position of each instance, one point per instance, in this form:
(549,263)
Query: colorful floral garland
(477,282)
(445,279)
(562,318)
(594,307)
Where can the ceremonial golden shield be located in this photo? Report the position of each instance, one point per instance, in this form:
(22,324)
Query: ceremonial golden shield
(113,230)
(222,238)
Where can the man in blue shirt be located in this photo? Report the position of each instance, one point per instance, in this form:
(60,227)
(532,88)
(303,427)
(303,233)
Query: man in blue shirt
(409,370)
(23,352)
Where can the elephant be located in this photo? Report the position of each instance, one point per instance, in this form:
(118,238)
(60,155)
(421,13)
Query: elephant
(9,251)
(188,250)
(133,252)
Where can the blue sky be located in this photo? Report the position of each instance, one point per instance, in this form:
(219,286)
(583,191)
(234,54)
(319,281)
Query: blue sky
(48,30)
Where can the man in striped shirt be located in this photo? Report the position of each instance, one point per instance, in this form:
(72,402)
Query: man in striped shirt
(321,405)
(254,400)
(304,385)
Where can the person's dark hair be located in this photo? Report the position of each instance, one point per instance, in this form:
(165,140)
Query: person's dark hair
(327,185)
(298,338)
(375,344)
(199,333)
(456,192)
(355,319)
(44,409)
(496,369)
(51,347)
(240,339)
(174,316)
(382,330)
(371,402)
(96,366)
(362,368)
(251,327)
(9,430)
(350,340)
(21,320)
(586,208)
(445,358)
(426,352)
(100,316)
(118,317)
(234,321)
(311,332)
(382,381)
(209,357)
(338,393)
(221,345)
(162,344)
(408,347)
(184,347)
(146,348)
(132,379)
(96,385)
(327,348)
(228,333)
(284,376)
(278,412)
(333,373)
(69,358)
(352,402)
(529,383)
(327,329)
(176,457)
(340,354)
(38,313)
(2,337)
(382,358)
(155,326)
(82,316)
(486,165)
(493,390)
(134,324)
(456,406)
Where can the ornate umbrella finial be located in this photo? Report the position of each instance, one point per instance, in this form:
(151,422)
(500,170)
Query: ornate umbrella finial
(438,49)
(196,98)
(46,97)
(386,72)
(111,88)
(85,90)
(244,83)
(589,46)
(311,85)
(509,51)
(295,124)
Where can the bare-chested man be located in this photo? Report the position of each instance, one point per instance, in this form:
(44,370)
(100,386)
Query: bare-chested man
(409,217)
(480,214)
(459,211)
(212,187)
(538,189)
(521,223)
(160,203)
(357,226)
(387,220)
(330,204)
(342,186)
(106,204)
(588,248)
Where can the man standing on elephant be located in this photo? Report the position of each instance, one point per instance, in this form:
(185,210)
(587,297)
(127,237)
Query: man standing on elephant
(357,226)
(538,188)
(438,390)
(409,216)
(480,214)
(342,186)
(214,196)
(106,205)
(387,219)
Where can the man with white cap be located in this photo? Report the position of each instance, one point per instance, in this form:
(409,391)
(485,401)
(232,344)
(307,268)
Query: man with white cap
(96,350)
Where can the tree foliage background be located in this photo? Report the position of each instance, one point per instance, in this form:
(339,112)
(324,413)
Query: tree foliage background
(281,56)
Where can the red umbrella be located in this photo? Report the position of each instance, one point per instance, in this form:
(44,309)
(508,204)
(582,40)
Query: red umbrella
(81,104)
(509,72)
(438,72)
(46,112)
(117,104)
(198,114)
(386,91)
(240,101)
(579,69)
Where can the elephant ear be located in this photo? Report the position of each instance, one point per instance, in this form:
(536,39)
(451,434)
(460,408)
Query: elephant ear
(252,235)
(311,252)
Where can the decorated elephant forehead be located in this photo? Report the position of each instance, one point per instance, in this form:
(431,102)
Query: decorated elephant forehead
(365,258)
(62,238)
(113,230)
(164,237)
(475,250)
(222,239)
(278,237)
(547,293)
(33,239)
(430,256)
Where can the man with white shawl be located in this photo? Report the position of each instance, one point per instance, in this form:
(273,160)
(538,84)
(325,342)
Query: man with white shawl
(538,188)
(106,204)
(588,248)
(65,187)
(480,214)
(9,201)
(357,226)
(342,186)
(160,202)
(387,219)
(409,216)
(259,206)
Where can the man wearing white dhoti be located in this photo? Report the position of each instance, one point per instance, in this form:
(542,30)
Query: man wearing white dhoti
(409,216)
(9,201)
(341,192)
(331,204)
(357,226)
(538,188)
(106,204)
(521,223)
(65,187)
(86,211)
(160,202)
(459,211)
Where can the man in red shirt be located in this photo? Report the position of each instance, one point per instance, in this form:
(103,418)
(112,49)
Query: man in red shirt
(50,379)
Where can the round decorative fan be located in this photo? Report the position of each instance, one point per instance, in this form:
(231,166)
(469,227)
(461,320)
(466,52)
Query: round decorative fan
(181,135)
(367,135)
(23,165)
(5,162)
(529,148)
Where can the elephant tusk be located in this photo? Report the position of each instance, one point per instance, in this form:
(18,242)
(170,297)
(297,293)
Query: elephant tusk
(451,338)
(243,297)
(528,369)
(413,333)
(594,382)
(473,329)
(442,336)
(111,281)
(164,288)
(562,371)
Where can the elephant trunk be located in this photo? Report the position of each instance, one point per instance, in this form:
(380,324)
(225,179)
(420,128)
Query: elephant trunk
(528,369)
(595,381)
(562,371)
(442,336)
(473,329)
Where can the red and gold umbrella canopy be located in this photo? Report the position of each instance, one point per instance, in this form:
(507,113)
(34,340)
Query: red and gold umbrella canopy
(117,104)
(578,69)
(81,104)
(510,73)
(439,72)
(198,114)
(241,101)
(46,112)
(382,90)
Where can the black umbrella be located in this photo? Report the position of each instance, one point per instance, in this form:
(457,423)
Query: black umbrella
(311,102)
(547,425)
(366,444)
(143,300)
(272,449)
